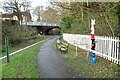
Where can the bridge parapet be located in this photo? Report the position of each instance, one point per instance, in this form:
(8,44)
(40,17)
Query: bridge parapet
(40,24)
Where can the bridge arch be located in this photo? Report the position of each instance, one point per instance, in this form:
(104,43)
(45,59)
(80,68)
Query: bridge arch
(47,31)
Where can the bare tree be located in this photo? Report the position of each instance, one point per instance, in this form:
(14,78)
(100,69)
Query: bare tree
(15,7)
(38,12)
(51,15)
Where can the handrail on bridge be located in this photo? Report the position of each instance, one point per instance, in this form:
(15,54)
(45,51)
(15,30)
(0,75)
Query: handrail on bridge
(40,23)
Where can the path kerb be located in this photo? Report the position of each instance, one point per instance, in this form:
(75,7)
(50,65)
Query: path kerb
(23,49)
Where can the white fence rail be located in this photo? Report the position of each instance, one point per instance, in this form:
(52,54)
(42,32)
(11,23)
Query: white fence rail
(106,47)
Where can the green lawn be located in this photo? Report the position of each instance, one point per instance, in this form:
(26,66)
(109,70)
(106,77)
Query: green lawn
(22,65)
(81,64)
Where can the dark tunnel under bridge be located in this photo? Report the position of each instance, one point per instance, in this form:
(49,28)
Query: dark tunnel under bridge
(46,29)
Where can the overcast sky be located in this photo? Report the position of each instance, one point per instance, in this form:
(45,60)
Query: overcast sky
(39,2)
(34,3)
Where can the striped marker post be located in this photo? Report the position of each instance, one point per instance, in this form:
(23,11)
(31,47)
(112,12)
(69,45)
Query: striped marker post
(92,54)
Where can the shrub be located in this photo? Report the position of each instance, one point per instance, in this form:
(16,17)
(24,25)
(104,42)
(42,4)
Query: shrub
(16,33)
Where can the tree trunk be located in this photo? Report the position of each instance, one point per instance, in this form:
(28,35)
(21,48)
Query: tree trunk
(119,20)
(106,19)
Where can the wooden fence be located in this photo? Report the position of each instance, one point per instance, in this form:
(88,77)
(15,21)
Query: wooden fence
(106,47)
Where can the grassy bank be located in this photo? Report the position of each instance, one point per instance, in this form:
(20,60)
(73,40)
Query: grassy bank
(81,64)
(23,65)
(25,43)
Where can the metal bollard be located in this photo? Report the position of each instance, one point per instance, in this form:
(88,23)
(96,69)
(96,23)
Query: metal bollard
(92,58)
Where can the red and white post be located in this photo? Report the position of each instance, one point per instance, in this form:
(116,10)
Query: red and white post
(92,54)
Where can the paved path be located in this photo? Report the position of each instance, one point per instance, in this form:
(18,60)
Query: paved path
(51,64)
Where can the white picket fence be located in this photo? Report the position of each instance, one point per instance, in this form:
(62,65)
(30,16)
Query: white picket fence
(106,47)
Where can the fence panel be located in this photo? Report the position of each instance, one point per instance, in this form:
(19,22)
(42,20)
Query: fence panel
(106,47)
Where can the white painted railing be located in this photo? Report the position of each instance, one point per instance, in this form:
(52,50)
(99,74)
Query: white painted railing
(106,47)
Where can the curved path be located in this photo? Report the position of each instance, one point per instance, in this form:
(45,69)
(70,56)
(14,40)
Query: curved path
(51,64)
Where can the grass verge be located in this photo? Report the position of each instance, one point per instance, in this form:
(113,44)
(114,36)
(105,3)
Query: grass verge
(81,64)
(22,65)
